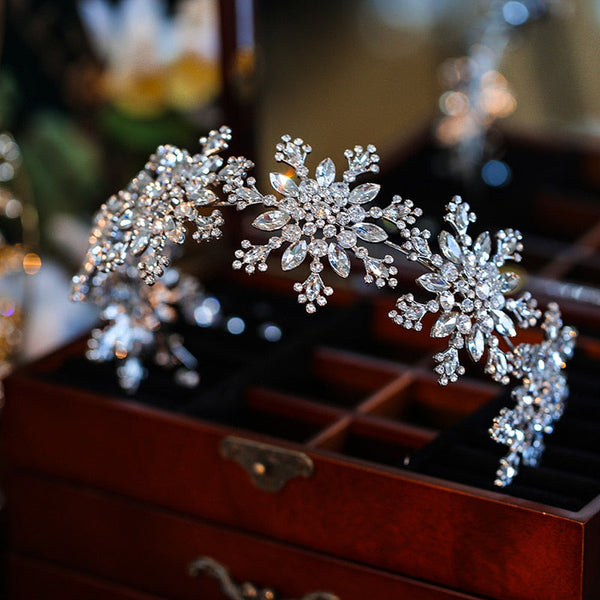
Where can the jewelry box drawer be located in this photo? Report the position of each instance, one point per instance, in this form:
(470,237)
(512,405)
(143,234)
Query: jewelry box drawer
(355,505)
(30,578)
(131,544)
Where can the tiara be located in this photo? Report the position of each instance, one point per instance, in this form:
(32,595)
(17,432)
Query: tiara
(326,220)
(469,279)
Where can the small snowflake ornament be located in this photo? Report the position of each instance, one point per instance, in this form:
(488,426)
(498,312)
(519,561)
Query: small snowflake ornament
(470,285)
(317,218)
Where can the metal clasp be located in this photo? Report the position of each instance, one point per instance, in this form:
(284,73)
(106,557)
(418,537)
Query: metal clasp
(245,591)
(269,467)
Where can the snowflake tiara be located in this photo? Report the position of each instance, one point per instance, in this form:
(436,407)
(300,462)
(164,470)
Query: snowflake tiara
(327,219)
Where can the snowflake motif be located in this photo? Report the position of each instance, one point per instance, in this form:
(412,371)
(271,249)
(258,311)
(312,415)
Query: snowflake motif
(540,399)
(470,289)
(174,189)
(320,217)
(135,316)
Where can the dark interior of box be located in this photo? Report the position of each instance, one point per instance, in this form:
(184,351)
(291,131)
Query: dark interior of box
(351,365)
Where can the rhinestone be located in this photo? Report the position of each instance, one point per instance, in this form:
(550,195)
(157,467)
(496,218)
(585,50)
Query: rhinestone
(325,172)
(369,232)
(318,248)
(338,260)
(271,220)
(294,255)
(364,193)
(291,233)
(346,238)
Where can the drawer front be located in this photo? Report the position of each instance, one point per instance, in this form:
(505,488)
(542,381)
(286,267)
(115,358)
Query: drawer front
(151,550)
(401,522)
(29,579)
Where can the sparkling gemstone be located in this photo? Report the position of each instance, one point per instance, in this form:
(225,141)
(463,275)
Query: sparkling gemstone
(450,247)
(329,231)
(338,259)
(445,325)
(369,232)
(446,301)
(364,193)
(376,267)
(283,184)
(318,248)
(325,172)
(293,154)
(313,287)
(140,243)
(462,217)
(291,233)
(497,301)
(449,272)
(395,212)
(433,282)
(249,195)
(476,344)
(258,253)
(271,220)
(463,323)
(482,247)
(357,213)
(421,246)
(508,282)
(346,238)
(504,324)
(126,219)
(415,312)
(309,229)
(294,255)
(483,290)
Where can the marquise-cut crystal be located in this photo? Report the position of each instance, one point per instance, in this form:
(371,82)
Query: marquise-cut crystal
(509,281)
(421,246)
(364,193)
(395,212)
(338,259)
(376,267)
(432,282)
(325,172)
(313,287)
(446,300)
(504,324)
(249,195)
(476,344)
(450,247)
(283,184)
(271,220)
(445,325)
(369,232)
(482,247)
(294,255)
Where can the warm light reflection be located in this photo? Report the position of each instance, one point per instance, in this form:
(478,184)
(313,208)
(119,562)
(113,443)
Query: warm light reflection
(32,263)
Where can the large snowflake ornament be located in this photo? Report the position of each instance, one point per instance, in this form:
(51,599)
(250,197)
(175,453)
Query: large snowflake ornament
(540,398)
(470,287)
(319,217)
(152,212)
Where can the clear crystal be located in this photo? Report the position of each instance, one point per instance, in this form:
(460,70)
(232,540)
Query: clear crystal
(446,300)
(376,267)
(509,281)
(504,324)
(433,282)
(369,232)
(318,248)
(364,193)
(476,344)
(294,255)
(271,220)
(482,247)
(450,247)
(462,218)
(283,184)
(347,239)
(313,287)
(325,172)
(291,233)
(445,325)
(338,259)
(140,243)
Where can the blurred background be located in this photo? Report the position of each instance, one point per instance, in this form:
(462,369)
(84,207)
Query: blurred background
(89,88)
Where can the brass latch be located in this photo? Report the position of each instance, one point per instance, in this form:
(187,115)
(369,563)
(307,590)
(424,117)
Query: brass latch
(269,467)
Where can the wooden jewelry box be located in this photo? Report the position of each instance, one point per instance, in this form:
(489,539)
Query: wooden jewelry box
(330,461)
